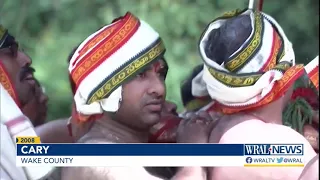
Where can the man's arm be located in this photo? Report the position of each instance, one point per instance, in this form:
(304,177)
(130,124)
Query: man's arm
(54,132)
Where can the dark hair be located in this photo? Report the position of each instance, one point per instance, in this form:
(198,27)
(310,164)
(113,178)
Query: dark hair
(186,87)
(223,42)
(72,84)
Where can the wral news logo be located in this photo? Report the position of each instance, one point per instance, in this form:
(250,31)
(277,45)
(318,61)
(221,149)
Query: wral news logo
(273,149)
(268,155)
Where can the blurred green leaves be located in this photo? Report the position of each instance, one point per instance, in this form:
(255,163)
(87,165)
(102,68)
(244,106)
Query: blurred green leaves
(49,30)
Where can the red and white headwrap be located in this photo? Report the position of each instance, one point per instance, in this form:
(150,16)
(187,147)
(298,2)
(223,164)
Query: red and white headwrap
(109,58)
(259,72)
(312,69)
(4,76)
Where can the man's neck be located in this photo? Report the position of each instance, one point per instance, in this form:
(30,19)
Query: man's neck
(120,132)
(270,113)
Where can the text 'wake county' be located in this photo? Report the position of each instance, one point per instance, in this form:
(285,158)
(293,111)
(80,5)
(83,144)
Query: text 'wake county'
(38,160)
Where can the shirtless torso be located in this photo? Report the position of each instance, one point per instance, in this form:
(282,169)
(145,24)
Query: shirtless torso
(248,129)
(103,132)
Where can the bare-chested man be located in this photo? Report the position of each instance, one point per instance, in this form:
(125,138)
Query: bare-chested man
(249,70)
(16,78)
(119,73)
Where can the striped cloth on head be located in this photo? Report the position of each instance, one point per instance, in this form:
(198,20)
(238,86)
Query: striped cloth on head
(110,57)
(3,35)
(259,72)
(8,84)
(312,69)
(5,80)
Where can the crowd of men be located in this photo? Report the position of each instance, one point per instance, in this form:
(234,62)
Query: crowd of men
(117,76)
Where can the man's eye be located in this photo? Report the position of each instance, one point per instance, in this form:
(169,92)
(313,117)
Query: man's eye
(141,75)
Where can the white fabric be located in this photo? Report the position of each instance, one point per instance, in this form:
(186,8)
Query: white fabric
(198,87)
(9,112)
(239,96)
(144,37)
(312,65)
(9,170)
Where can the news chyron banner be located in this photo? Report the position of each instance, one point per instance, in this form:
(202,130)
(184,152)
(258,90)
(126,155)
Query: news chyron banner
(30,152)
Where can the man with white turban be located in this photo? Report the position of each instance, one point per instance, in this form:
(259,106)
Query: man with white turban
(118,74)
(249,70)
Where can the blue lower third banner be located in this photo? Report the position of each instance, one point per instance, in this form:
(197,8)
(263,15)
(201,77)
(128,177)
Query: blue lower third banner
(130,149)
(61,155)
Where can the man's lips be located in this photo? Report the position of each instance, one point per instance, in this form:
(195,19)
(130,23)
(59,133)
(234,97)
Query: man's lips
(30,79)
(155,106)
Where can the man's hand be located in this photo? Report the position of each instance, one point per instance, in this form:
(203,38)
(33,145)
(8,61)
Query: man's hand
(196,128)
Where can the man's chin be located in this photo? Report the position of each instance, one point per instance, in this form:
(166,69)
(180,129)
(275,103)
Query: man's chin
(152,119)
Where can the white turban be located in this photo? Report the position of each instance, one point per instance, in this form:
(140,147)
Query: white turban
(253,70)
(110,57)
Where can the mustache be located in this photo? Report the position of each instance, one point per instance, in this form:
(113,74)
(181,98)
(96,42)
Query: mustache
(25,71)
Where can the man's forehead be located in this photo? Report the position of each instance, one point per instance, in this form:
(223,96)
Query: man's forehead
(6,54)
(157,65)
(161,62)
(4,51)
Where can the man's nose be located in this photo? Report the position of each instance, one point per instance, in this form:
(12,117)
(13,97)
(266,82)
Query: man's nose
(157,87)
(25,62)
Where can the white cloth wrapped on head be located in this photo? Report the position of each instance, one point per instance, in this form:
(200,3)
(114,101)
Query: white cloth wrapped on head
(312,65)
(110,57)
(253,69)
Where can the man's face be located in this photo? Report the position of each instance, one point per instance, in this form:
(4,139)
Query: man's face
(20,73)
(36,109)
(143,97)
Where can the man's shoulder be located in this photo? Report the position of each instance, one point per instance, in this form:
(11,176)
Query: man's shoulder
(94,138)
(106,173)
(85,173)
(257,131)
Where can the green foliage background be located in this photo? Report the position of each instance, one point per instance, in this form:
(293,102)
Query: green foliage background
(49,29)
